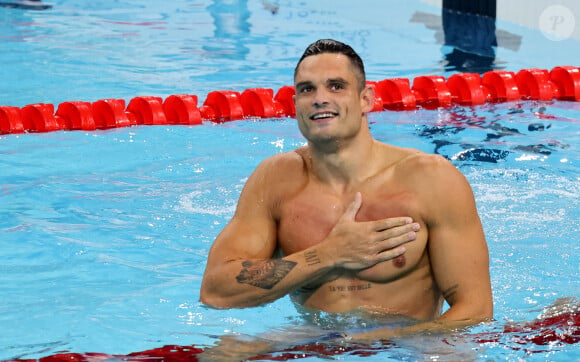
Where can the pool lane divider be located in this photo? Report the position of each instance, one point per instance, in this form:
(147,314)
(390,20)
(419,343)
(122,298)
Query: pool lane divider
(430,92)
(558,330)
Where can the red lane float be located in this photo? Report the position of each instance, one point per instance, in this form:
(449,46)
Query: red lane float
(567,82)
(11,120)
(500,86)
(260,102)
(182,109)
(467,89)
(147,110)
(39,118)
(285,99)
(396,94)
(555,331)
(431,91)
(110,113)
(76,116)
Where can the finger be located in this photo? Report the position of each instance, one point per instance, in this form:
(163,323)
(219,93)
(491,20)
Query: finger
(385,224)
(353,208)
(386,243)
(392,253)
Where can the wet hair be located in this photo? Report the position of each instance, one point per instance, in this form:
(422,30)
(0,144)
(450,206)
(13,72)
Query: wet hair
(334,46)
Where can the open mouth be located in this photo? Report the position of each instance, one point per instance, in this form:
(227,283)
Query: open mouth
(323,116)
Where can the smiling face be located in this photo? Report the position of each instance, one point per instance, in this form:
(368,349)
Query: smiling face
(330,103)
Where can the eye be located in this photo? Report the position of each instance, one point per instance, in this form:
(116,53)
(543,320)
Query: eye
(336,86)
(305,89)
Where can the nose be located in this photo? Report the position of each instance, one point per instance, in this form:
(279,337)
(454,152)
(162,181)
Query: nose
(320,99)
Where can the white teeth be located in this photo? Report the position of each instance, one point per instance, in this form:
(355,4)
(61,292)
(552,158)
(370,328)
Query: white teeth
(322,115)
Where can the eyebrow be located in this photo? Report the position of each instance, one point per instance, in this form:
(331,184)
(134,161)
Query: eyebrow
(337,80)
(302,84)
(328,81)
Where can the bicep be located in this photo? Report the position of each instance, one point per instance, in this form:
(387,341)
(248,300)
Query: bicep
(457,246)
(243,238)
(251,233)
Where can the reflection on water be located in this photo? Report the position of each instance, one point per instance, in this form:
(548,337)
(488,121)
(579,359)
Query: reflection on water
(469,29)
(230,18)
(25,4)
(495,142)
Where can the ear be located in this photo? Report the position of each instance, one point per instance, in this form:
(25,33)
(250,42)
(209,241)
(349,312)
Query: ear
(367,98)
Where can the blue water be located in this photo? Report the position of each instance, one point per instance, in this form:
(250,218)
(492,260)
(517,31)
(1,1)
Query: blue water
(104,235)
(89,50)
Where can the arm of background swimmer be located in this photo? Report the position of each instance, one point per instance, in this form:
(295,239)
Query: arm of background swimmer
(457,250)
(241,269)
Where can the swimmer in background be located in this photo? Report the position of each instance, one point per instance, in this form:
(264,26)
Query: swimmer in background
(347,224)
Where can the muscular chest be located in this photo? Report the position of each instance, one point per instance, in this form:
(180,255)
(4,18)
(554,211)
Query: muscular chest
(308,217)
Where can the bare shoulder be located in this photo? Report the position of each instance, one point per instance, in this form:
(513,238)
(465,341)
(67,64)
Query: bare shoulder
(435,180)
(288,159)
(277,168)
(279,174)
(425,168)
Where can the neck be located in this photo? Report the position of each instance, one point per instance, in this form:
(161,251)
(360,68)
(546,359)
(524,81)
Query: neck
(344,163)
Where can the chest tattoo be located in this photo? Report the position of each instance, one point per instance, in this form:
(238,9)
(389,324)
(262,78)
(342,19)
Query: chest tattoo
(349,288)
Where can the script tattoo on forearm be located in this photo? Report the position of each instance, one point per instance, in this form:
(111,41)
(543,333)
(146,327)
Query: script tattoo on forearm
(311,258)
(266,274)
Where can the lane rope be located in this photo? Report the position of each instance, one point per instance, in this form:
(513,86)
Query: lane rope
(429,91)
(551,332)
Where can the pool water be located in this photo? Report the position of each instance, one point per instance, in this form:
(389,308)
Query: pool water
(104,235)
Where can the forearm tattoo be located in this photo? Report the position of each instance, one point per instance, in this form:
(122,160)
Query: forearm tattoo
(266,274)
(311,258)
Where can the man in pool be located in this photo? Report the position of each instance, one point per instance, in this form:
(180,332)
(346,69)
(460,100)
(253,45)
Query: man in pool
(350,224)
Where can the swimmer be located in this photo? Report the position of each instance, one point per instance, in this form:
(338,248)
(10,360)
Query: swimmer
(349,224)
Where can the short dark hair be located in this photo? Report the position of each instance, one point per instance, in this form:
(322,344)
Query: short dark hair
(334,46)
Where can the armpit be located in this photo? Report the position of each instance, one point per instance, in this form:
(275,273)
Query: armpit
(449,293)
